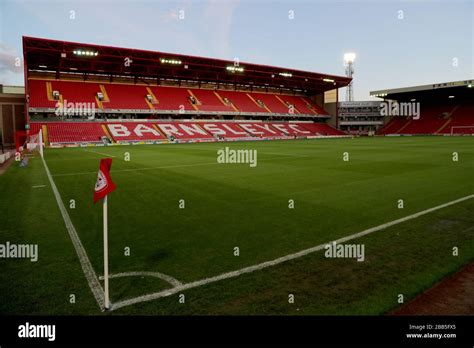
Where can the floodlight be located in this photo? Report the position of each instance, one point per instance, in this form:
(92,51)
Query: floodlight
(233,68)
(349,57)
(170,61)
(85,53)
(349,65)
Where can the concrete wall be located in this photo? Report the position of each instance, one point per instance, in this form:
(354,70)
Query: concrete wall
(12,117)
(330,105)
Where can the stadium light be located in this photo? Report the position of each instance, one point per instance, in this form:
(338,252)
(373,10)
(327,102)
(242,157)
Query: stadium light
(285,74)
(349,57)
(85,53)
(170,61)
(349,64)
(234,69)
(328,80)
(469,86)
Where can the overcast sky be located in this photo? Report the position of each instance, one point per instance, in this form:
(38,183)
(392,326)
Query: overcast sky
(398,43)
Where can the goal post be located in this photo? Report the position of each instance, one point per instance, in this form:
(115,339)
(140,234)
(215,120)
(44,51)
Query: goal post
(462,130)
(41,145)
(35,143)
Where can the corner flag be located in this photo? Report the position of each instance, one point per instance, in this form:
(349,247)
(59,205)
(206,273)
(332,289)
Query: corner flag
(104,184)
(103,187)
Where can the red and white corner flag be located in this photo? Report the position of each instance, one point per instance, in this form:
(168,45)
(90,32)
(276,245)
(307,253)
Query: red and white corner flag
(104,184)
(103,187)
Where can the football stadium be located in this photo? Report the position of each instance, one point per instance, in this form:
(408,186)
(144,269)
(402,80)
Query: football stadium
(141,182)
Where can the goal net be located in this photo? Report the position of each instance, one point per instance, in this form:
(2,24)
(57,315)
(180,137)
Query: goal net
(462,130)
(35,143)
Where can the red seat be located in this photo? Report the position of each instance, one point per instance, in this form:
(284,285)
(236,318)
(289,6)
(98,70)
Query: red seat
(434,119)
(260,129)
(39,95)
(300,104)
(210,101)
(224,129)
(271,102)
(126,97)
(292,129)
(72,132)
(184,130)
(242,101)
(119,96)
(321,129)
(134,131)
(77,92)
(92,132)
(172,98)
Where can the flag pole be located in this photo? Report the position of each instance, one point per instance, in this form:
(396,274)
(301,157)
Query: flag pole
(103,186)
(106,258)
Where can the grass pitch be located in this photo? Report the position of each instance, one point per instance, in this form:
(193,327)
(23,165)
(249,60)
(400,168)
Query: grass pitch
(235,205)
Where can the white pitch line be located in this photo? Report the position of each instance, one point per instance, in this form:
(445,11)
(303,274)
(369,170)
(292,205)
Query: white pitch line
(284,154)
(86,265)
(165,277)
(38,186)
(170,166)
(257,267)
(141,169)
(100,153)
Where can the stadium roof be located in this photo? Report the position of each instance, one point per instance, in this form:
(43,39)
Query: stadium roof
(61,56)
(12,89)
(432,90)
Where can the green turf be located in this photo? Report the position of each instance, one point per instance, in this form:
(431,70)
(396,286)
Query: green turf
(229,205)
